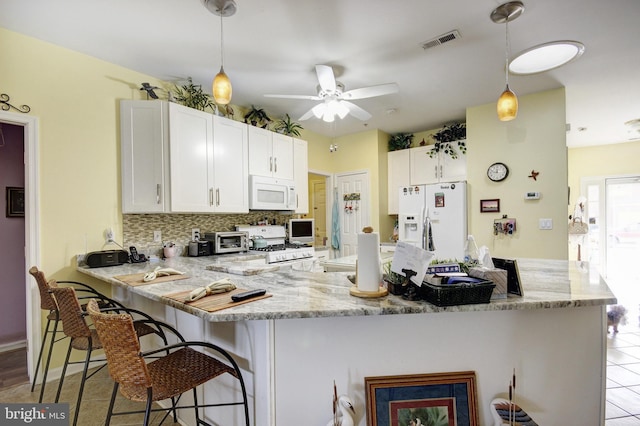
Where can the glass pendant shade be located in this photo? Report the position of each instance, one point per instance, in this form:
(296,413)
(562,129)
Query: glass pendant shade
(507,105)
(222,88)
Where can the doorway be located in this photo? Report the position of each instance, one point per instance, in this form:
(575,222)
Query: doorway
(613,211)
(31,229)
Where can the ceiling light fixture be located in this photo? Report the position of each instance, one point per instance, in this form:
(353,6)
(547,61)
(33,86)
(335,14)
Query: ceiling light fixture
(508,102)
(546,56)
(221,86)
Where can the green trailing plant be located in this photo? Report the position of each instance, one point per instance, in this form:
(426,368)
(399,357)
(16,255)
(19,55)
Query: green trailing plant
(288,127)
(192,96)
(400,141)
(390,276)
(257,117)
(450,140)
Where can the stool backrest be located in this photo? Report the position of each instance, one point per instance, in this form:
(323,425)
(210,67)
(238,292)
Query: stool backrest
(46,300)
(122,349)
(73,323)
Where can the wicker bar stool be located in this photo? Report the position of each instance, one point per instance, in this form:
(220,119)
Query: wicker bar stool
(181,368)
(86,339)
(47,303)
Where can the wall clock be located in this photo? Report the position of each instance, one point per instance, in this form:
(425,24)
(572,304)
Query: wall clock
(498,172)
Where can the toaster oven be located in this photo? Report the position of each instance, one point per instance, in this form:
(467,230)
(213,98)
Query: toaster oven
(228,242)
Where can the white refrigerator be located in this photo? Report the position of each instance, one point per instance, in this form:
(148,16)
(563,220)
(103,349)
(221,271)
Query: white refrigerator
(434,217)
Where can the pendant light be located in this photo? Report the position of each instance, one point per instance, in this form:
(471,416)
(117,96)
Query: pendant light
(221,86)
(507,106)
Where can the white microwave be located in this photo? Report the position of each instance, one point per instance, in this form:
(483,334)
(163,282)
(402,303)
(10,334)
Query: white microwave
(267,193)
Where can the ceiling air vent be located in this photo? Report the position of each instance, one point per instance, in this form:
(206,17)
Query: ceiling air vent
(441,39)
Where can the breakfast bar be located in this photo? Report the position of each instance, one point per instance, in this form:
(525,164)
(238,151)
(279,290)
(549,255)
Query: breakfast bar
(311,332)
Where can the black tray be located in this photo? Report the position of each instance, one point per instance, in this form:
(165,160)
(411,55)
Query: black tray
(457,294)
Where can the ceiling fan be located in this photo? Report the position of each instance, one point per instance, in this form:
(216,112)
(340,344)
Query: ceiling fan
(335,101)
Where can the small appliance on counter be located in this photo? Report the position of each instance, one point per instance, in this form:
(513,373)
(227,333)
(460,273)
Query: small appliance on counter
(228,242)
(199,248)
(272,240)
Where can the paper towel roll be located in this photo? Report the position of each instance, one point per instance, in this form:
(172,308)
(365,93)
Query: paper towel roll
(368,266)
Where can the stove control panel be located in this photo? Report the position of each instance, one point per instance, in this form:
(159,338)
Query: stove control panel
(290,254)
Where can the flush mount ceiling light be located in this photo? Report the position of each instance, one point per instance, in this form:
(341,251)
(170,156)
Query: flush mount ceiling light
(546,56)
(221,86)
(507,106)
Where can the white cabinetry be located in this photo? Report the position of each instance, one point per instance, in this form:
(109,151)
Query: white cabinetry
(397,175)
(270,153)
(301,175)
(178,159)
(209,163)
(144,137)
(440,168)
(414,166)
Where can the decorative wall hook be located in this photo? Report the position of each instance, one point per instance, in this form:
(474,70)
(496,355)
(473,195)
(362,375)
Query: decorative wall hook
(6,106)
(534,175)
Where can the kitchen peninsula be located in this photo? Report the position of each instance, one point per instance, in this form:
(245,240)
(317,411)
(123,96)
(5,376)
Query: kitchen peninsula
(293,345)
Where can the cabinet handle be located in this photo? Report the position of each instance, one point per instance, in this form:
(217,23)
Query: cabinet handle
(275,165)
(217,196)
(210,196)
(435,174)
(441,171)
(158,193)
(270,164)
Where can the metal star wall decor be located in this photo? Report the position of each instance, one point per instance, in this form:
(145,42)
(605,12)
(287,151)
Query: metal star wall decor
(534,175)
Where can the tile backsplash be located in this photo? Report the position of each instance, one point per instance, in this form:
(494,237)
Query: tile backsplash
(138,228)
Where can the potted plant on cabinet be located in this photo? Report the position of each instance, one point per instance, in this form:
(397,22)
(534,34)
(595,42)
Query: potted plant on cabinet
(192,96)
(448,138)
(400,141)
(288,127)
(257,117)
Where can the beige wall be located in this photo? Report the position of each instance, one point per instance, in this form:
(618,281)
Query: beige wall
(535,140)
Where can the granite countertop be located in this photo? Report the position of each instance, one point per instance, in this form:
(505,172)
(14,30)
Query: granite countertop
(302,294)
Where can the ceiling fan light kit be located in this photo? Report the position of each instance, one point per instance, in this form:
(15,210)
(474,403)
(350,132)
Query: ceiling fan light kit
(507,106)
(221,86)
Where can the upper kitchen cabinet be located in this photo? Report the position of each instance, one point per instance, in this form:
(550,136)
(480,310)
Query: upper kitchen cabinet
(301,175)
(424,169)
(178,159)
(414,166)
(209,163)
(270,154)
(398,175)
(144,136)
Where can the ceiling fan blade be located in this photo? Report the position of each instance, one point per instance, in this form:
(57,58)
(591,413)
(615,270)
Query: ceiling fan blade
(356,111)
(307,97)
(371,91)
(326,78)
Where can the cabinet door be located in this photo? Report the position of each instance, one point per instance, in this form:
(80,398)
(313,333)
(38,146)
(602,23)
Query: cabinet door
(398,175)
(423,169)
(231,164)
(191,148)
(301,175)
(260,151)
(282,156)
(144,147)
(453,170)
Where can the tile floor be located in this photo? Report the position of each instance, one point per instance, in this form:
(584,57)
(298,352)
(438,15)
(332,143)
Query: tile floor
(623,374)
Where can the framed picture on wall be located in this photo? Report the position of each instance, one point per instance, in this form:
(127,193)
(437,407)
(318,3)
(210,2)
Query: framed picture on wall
(442,398)
(490,206)
(15,201)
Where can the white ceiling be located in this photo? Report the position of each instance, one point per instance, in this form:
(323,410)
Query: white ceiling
(272,47)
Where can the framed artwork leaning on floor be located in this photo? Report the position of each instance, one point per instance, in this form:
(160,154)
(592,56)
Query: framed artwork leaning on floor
(440,399)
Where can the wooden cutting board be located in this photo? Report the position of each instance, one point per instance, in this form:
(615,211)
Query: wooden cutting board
(214,302)
(135,280)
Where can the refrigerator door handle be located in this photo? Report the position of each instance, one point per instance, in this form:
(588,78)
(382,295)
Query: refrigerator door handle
(424,227)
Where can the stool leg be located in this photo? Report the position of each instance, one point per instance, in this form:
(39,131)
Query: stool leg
(82,381)
(44,340)
(64,371)
(147,411)
(54,332)
(107,421)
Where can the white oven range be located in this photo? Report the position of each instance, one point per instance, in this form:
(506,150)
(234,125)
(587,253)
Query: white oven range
(271,239)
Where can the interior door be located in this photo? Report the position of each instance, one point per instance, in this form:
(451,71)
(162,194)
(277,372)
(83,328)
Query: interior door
(320,211)
(354,201)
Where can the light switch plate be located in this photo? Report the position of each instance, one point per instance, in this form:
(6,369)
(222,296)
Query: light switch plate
(157,236)
(545,224)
